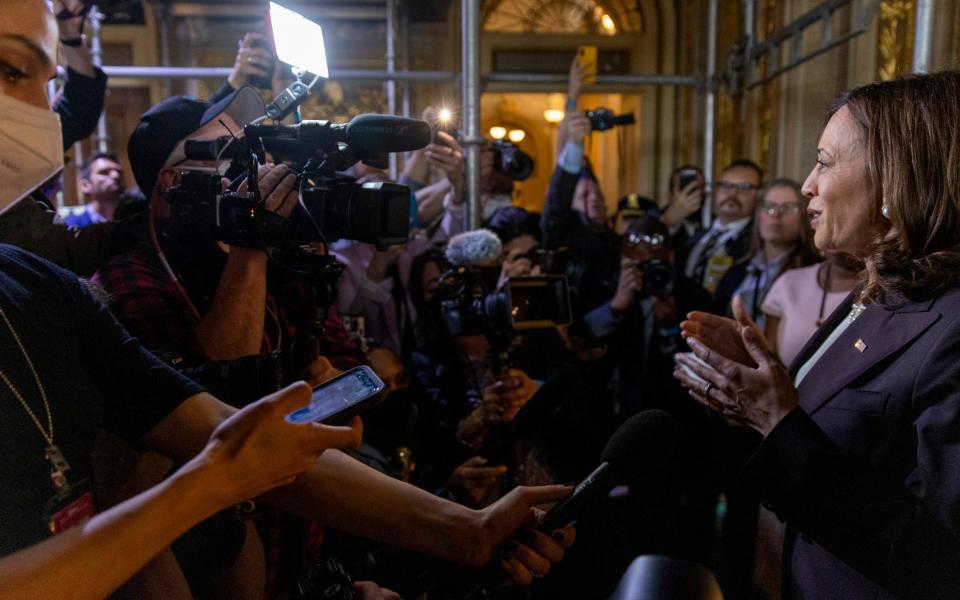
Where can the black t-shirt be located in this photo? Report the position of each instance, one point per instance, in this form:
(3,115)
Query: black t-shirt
(95,376)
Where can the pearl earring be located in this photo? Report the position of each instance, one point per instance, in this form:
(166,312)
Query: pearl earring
(885,211)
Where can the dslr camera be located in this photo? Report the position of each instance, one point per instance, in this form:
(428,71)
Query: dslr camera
(603,119)
(511,160)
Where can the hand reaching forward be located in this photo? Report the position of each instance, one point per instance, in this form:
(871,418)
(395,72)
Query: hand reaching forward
(257,449)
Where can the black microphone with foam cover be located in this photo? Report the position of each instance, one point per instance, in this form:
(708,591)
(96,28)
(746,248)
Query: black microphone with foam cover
(375,134)
(639,447)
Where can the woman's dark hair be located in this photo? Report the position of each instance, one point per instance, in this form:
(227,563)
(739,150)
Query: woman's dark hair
(910,130)
(426,327)
(511,222)
(804,253)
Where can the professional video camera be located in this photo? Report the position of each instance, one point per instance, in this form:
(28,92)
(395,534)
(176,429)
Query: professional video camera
(561,261)
(471,307)
(603,119)
(511,160)
(332,205)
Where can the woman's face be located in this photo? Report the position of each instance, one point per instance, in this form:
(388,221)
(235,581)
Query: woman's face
(841,196)
(781,228)
(28,51)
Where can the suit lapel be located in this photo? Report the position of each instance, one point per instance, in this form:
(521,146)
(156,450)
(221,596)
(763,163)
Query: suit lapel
(875,335)
(821,335)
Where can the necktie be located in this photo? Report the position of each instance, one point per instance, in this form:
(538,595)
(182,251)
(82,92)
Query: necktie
(704,258)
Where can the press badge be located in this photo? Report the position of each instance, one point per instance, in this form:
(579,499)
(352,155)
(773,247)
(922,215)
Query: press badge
(717,267)
(71,506)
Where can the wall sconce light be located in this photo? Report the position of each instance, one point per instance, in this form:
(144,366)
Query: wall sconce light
(517,135)
(553,115)
(498,133)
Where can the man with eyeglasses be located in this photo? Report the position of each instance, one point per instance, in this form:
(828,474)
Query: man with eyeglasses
(727,241)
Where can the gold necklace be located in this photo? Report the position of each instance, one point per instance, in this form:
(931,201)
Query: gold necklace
(58,463)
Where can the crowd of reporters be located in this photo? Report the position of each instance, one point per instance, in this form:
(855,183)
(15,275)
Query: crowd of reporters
(467,414)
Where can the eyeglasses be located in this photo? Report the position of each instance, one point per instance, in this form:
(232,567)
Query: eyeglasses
(654,241)
(791,208)
(740,187)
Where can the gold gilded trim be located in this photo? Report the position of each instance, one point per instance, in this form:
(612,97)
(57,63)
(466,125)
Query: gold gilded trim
(895,40)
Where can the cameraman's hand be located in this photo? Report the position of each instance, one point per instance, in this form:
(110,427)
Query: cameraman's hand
(664,312)
(368,590)
(684,203)
(629,285)
(382,261)
(320,371)
(504,398)
(577,126)
(505,536)
(257,449)
(251,62)
(278,185)
(472,481)
(517,263)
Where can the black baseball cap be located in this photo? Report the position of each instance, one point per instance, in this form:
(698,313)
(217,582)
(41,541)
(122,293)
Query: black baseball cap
(163,127)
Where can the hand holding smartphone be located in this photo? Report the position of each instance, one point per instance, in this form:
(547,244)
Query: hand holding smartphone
(337,401)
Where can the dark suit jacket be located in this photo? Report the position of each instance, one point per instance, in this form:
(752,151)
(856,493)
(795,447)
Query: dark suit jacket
(737,248)
(866,472)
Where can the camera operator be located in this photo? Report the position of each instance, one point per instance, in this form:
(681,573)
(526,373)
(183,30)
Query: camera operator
(88,349)
(642,319)
(575,217)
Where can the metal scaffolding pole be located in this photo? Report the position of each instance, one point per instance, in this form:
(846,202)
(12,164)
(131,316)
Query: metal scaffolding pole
(95,17)
(923,36)
(473,143)
(709,107)
(391,84)
(221,72)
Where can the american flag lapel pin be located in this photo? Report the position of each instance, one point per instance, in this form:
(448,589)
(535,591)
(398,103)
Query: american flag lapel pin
(860,345)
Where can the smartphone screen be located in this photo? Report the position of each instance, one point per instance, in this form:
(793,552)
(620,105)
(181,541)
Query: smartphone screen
(587,57)
(340,398)
(687,176)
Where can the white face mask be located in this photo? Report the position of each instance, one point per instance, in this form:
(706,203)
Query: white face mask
(32,143)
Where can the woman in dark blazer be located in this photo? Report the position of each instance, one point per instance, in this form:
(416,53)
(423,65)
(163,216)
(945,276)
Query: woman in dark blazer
(861,449)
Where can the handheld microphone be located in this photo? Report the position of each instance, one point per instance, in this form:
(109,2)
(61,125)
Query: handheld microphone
(380,134)
(641,445)
(478,248)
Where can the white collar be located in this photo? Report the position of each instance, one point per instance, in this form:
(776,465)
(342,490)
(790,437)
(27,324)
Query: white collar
(731,228)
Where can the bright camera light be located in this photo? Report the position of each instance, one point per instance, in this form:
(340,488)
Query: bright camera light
(517,135)
(299,41)
(445,115)
(498,133)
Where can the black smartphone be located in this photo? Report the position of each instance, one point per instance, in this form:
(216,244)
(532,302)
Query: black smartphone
(340,399)
(264,82)
(687,176)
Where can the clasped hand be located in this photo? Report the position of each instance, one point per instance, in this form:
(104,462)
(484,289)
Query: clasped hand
(745,381)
